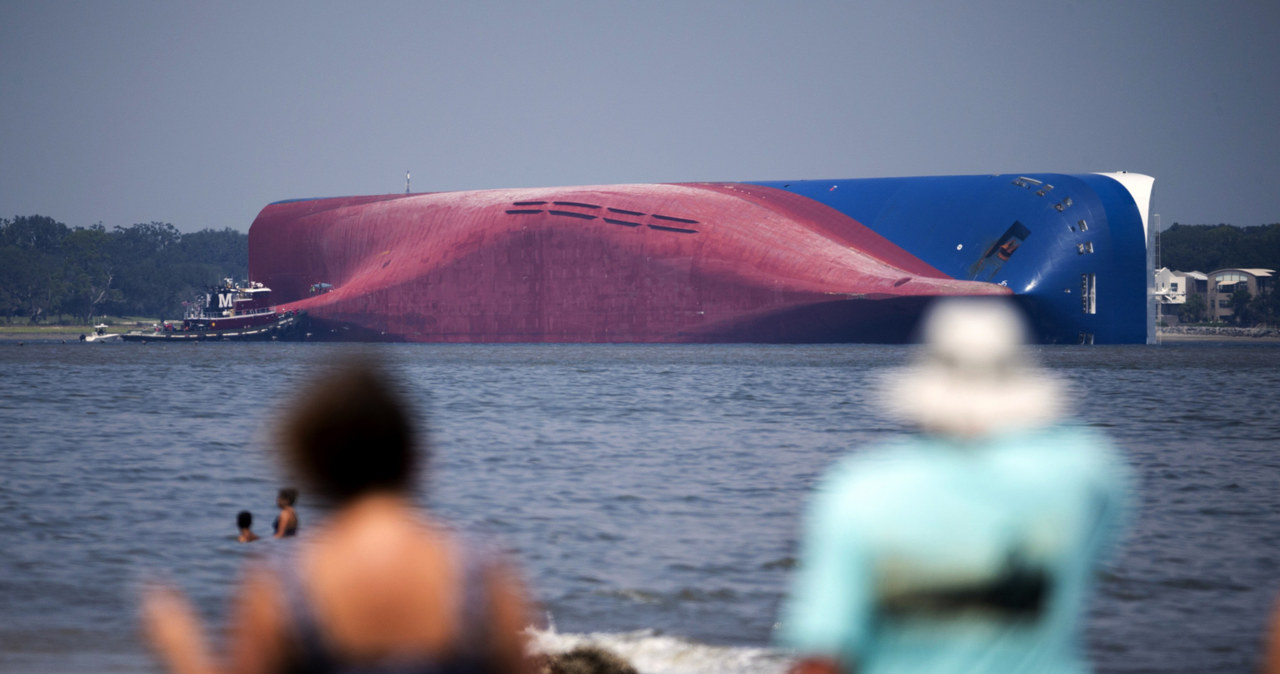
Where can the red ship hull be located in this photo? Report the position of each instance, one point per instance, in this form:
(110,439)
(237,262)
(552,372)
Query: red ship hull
(630,263)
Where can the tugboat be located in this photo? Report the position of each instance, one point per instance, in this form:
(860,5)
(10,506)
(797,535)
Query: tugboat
(228,312)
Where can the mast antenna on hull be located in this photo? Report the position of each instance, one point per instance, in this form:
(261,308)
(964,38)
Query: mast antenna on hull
(406,182)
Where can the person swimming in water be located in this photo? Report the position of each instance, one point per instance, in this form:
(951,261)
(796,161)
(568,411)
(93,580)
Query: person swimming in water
(286,523)
(380,585)
(244,522)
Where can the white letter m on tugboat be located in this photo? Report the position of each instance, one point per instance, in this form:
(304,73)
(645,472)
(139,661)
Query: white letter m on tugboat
(225,300)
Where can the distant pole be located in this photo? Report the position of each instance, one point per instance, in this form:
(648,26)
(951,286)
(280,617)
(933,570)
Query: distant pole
(406,182)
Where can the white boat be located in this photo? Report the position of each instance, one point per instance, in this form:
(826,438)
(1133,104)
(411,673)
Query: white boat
(100,334)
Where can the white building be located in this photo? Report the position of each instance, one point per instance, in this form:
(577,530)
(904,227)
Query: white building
(1172,289)
(1171,286)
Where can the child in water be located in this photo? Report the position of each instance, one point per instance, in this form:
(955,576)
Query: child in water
(244,522)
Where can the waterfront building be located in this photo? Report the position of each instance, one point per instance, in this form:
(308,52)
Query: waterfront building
(1223,283)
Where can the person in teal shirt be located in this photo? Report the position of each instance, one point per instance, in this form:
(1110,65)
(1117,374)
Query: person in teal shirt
(970,546)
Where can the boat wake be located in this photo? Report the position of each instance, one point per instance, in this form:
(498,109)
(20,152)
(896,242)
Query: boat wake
(651,652)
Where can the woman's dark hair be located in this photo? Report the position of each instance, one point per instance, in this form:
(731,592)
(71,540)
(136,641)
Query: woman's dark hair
(244,519)
(351,434)
(289,494)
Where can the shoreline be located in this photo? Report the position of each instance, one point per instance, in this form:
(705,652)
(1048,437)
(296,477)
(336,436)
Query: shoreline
(1217,334)
(1171,338)
(72,335)
(57,333)
(45,336)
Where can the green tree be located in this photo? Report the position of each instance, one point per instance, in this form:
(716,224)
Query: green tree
(205,258)
(31,260)
(145,269)
(33,232)
(1209,247)
(225,250)
(1266,307)
(89,271)
(143,257)
(30,283)
(1240,309)
(1194,309)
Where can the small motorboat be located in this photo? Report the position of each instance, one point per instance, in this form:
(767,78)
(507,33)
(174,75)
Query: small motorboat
(100,334)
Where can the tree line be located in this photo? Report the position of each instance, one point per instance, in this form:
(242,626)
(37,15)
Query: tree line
(1210,247)
(49,270)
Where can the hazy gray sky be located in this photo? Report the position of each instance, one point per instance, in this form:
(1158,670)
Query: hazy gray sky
(201,113)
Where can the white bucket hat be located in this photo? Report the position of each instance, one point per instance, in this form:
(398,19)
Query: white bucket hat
(974,376)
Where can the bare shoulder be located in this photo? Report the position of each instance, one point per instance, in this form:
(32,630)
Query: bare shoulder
(258,634)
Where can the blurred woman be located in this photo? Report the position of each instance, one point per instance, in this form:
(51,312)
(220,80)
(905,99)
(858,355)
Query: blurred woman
(379,586)
(286,523)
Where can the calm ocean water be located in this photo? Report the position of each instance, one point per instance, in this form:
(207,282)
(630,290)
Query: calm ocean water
(651,493)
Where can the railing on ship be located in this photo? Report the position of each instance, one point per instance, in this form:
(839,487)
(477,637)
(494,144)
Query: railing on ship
(196,311)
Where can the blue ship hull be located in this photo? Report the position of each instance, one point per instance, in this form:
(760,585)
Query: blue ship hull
(1078,263)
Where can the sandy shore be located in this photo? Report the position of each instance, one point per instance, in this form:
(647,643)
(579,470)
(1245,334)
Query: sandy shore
(1197,333)
(58,333)
(45,335)
(1180,338)
(54,333)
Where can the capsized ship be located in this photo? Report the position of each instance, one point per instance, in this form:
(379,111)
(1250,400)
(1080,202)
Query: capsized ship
(805,261)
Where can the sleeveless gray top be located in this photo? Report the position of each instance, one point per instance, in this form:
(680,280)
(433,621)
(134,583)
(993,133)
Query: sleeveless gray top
(314,655)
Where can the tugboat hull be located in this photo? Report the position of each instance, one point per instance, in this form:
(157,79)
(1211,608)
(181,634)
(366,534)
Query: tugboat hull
(284,328)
